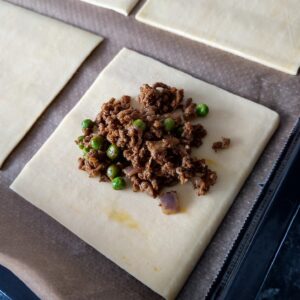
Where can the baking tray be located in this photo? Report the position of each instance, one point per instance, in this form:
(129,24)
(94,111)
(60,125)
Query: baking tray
(12,288)
(258,246)
(261,239)
(29,237)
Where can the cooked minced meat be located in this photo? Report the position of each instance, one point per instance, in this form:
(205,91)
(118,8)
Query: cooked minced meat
(151,145)
(219,145)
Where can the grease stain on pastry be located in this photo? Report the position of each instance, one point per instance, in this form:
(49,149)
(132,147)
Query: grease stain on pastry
(123,218)
(211,162)
(183,209)
(126,260)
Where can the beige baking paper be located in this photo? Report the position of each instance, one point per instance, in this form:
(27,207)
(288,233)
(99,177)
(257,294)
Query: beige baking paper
(38,56)
(121,6)
(129,228)
(267,32)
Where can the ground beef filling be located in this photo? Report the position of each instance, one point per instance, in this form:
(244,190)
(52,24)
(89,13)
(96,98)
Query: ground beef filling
(152,157)
(220,145)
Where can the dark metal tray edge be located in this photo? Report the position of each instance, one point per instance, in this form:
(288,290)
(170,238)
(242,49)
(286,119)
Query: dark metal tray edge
(237,266)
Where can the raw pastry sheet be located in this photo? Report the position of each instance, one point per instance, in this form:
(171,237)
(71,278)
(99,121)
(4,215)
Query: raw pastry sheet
(38,56)
(54,261)
(122,6)
(127,227)
(267,32)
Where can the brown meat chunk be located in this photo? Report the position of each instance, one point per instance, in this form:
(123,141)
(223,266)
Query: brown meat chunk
(189,110)
(219,145)
(160,97)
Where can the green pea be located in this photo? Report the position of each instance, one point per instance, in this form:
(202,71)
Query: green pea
(139,124)
(202,110)
(112,171)
(86,123)
(86,150)
(169,124)
(81,146)
(97,142)
(80,138)
(118,183)
(112,151)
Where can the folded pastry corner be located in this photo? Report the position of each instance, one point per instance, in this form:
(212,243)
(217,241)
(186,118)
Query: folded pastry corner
(121,6)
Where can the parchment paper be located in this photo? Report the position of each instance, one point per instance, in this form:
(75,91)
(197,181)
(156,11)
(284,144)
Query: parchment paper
(58,265)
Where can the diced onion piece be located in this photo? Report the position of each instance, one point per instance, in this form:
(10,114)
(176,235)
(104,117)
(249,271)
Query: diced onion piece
(130,171)
(169,203)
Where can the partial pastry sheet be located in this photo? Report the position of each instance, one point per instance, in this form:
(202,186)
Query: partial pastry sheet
(121,6)
(38,56)
(267,32)
(129,228)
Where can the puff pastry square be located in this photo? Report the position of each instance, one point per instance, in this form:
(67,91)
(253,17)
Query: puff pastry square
(267,32)
(129,228)
(38,56)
